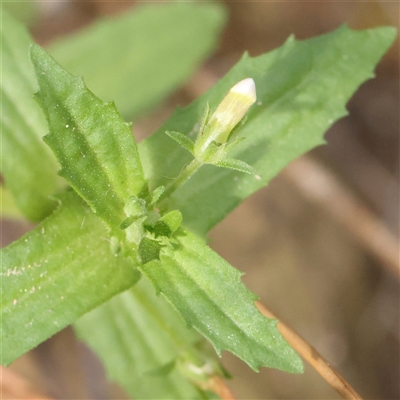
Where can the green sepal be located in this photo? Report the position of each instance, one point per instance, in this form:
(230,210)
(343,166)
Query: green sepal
(237,128)
(204,120)
(214,153)
(237,165)
(234,142)
(182,140)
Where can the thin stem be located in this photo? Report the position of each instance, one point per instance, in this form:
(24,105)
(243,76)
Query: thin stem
(184,176)
(313,357)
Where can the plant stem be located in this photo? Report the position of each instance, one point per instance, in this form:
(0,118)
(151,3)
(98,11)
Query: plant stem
(184,175)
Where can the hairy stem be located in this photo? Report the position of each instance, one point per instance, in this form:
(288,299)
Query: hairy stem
(184,176)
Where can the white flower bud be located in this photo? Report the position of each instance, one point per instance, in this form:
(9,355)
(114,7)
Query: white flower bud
(234,107)
(228,114)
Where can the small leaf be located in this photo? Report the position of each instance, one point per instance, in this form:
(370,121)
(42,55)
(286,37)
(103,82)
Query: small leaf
(149,250)
(56,273)
(155,195)
(210,296)
(94,146)
(237,165)
(234,142)
(182,140)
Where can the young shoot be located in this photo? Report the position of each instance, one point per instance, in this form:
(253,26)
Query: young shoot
(211,145)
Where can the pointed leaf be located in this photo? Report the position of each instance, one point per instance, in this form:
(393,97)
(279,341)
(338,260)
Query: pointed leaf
(155,195)
(209,294)
(94,146)
(182,140)
(238,165)
(56,273)
(302,89)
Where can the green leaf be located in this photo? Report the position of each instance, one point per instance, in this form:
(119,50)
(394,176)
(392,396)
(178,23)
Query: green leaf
(182,140)
(55,274)
(237,165)
(149,250)
(139,58)
(210,295)
(136,335)
(28,166)
(94,146)
(302,89)
(155,195)
(168,223)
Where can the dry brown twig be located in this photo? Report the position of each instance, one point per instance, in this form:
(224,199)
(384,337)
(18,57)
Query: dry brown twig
(306,351)
(313,357)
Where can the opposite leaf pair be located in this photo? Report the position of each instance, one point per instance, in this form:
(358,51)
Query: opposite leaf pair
(302,88)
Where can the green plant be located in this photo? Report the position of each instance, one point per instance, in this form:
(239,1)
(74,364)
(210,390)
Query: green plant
(125,223)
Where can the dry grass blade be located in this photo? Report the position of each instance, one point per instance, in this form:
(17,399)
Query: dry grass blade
(320,186)
(313,357)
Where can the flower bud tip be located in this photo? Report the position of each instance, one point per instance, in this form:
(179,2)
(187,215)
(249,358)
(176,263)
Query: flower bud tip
(247,88)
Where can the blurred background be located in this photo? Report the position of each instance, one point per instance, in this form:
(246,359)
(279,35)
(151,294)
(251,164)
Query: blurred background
(321,253)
